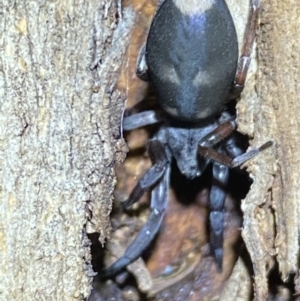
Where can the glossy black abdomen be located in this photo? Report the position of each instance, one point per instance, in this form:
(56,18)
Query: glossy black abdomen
(192,58)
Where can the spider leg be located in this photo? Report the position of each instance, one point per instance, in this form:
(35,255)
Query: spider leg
(153,175)
(216,216)
(159,198)
(141,119)
(232,148)
(245,58)
(228,161)
(141,66)
(222,131)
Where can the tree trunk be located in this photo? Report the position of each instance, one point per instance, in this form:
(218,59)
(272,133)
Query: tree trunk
(271,209)
(60,139)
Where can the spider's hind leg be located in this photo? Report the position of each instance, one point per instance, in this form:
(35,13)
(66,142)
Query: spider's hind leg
(245,58)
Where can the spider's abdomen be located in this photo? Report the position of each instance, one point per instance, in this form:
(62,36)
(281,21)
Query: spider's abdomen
(192,55)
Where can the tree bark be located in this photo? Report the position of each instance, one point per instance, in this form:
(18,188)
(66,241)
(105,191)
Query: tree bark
(271,209)
(60,139)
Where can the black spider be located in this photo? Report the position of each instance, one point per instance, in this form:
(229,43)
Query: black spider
(191,59)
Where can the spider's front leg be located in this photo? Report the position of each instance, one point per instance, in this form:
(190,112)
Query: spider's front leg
(230,156)
(160,174)
(216,216)
(159,158)
(221,132)
(226,160)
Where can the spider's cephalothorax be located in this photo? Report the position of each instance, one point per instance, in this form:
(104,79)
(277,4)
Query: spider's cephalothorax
(191,59)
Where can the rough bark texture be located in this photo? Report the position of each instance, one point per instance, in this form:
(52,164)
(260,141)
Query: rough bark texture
(60,139)
(271,209)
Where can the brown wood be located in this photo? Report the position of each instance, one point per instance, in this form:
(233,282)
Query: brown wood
(271,110)
(60,139)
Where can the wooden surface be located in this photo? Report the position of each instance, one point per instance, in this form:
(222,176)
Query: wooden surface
(271,209)
(59,141)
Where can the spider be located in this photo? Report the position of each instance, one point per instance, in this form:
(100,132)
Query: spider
(191,60)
